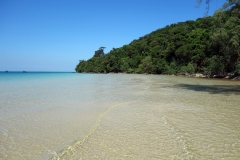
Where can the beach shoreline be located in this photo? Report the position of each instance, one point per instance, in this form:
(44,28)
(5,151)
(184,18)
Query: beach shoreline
(232,77)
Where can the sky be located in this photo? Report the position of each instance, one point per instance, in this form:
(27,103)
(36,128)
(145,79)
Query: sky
(53,35)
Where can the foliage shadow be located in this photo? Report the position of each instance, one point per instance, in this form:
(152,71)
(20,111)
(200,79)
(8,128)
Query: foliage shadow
(212,89)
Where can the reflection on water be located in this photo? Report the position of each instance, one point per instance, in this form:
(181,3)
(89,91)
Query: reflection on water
(123,117)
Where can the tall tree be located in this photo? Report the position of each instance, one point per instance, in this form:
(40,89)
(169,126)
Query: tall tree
(226,5)
(99,52)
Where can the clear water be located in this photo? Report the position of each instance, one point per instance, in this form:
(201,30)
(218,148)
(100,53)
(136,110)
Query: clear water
(112,116)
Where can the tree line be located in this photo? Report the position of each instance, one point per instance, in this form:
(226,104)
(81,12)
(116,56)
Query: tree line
(209,45)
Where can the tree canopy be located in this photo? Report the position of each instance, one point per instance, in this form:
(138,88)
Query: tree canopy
(208,45)
(226,5)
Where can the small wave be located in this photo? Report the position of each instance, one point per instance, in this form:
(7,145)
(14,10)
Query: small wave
(71,149)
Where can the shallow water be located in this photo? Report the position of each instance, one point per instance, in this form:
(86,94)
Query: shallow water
(108,116)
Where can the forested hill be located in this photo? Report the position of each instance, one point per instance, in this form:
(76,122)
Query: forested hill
(208,45)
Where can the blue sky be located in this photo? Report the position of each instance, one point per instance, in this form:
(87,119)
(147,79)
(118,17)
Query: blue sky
(53,35)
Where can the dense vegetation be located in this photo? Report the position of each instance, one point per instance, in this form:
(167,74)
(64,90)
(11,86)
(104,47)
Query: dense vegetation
(208,45)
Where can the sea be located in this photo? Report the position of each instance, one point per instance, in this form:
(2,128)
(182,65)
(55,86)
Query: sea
(64,116)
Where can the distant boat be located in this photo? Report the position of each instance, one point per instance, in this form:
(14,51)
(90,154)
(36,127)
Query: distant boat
(6,71)
(24,71)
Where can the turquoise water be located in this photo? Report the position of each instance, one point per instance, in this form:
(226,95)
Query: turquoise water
(26,87)
(117,116)
(41,113)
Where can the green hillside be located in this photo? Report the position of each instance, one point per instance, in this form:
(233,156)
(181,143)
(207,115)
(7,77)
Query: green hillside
(208,45)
